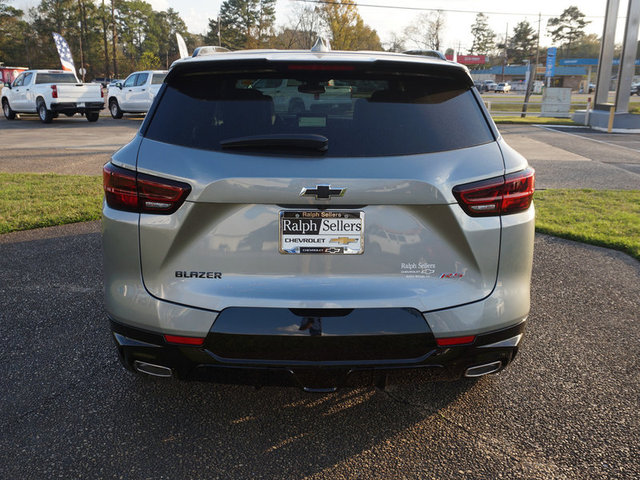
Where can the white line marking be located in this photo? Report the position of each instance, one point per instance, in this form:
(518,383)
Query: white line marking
(587,138)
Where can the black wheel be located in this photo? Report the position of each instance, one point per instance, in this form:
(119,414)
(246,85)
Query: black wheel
(92,116)
(6,109)
(45,115)
(114,108)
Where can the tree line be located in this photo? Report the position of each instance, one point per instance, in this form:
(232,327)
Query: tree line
(110,38)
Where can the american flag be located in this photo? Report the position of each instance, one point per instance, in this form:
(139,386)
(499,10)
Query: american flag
(65,53)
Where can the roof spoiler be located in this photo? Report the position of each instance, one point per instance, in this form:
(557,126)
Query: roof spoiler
(427,53)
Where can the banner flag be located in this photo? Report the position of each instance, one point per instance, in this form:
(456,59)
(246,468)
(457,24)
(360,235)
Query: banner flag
(182,47)
(65,53)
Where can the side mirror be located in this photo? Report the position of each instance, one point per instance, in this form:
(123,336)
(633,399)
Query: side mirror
(7,84)
(119,85)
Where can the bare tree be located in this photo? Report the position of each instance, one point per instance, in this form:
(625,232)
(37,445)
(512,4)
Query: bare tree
(395,43)
(302,28)
(427,30)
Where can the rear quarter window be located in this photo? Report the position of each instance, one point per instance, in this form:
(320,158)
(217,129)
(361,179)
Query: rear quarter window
(372,114)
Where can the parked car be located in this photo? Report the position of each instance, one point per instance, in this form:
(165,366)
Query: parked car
(49,93)
(136,93)
(503,87)
(318,249)
(489,86)
(635,86)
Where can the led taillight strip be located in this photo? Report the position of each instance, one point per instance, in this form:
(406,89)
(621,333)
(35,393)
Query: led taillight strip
(511,193)
(127,190)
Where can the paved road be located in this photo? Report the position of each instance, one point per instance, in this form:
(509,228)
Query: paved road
(562,158)
(567,408)
(68,145)
(578,158)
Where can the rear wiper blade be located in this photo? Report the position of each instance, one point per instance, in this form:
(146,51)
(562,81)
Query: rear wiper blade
(318,143)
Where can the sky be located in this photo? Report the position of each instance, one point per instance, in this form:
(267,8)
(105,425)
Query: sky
(502,15)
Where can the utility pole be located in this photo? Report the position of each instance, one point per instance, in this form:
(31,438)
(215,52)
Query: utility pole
(532,73)
(219,36)
(106,43)
(82,69)
(506,39)
(114,38)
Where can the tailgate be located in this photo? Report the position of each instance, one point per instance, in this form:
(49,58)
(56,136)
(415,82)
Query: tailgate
(79,93)
(225,247)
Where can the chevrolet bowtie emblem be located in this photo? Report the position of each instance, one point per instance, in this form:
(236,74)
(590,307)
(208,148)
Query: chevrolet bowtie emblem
(323,191)
(343,240)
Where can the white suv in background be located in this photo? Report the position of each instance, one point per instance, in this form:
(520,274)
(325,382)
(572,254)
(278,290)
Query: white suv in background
(136,93)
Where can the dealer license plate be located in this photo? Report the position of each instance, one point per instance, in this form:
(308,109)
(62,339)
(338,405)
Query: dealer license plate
(328,232)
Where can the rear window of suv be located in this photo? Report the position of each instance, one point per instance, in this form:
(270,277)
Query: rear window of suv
(372,113)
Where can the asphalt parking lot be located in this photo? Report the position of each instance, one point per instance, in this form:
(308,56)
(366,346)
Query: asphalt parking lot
(566,408)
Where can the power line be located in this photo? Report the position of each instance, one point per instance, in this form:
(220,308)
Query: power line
(448,10)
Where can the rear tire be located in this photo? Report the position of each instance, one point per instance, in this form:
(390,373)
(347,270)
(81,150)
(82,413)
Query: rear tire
(45,115)
(114,108)
(9,114)
(92,116)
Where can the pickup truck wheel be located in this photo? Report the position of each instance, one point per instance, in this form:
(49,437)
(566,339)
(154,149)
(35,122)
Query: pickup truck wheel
(114,108)
(6,109)
(92,116)
(45,115)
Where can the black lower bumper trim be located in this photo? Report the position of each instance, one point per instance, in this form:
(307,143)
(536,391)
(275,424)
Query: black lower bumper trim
(72,107)
(197,363)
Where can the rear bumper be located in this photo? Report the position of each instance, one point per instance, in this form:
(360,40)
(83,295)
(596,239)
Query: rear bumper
(63,107)
(310,367)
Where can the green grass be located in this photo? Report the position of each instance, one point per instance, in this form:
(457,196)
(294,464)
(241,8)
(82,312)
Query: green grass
(607,218)
(32,200)
(535,120)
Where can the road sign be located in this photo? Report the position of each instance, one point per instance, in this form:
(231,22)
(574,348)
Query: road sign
(551,61)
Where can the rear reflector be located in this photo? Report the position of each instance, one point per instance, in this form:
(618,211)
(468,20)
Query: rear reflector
(504,195)
(137,192)
(448,342)
(183,340)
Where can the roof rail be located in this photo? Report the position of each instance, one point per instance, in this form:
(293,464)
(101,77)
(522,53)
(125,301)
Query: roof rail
(208,50)
(321,45)
(426,53)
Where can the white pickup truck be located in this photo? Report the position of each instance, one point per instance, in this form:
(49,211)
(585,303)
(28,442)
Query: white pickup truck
(295,96)
(136,93)
(49,93)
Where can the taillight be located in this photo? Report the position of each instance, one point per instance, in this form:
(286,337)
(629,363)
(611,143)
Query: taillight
(321,67)
(138,192)
(504,195)
(102,92)
(54,91)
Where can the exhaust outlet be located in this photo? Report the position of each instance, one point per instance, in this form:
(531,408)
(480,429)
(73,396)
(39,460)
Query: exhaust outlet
(151,369)
(481,370)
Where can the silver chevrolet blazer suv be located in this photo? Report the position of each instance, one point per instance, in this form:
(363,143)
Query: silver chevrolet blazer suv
(320,219)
